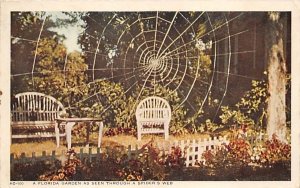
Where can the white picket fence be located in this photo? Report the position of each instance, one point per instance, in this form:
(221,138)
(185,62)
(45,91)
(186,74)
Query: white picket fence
(193,149)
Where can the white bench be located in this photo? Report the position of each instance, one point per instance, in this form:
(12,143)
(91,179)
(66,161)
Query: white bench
(33,115)
(153,115)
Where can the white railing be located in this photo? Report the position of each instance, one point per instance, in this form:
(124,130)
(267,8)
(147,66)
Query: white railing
(193,149)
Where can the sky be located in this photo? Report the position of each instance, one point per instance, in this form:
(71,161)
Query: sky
(71,32)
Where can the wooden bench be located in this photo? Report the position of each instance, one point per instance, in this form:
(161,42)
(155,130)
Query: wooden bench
(153,115)
(33,115)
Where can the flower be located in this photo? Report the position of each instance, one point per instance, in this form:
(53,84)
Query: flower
(71,170)
(55,178)
(139,178)
(130,177)
(61,176)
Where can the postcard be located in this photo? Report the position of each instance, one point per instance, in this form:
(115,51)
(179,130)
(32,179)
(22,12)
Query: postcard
(149,93)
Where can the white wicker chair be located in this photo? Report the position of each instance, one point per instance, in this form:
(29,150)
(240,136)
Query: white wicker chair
(33,115)
(153,115)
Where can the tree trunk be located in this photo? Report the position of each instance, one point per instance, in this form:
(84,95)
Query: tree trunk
(276,119)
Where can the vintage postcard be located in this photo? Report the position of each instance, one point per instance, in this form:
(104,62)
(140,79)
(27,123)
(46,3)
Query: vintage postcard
(146,93)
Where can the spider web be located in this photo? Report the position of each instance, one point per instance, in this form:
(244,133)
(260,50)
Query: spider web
(166,49)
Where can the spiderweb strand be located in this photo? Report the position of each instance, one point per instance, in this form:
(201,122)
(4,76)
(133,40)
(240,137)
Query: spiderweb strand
(36,48)
(170,26)
(228,71)
(98,44)
(209,32)
(213,73)
(191,24)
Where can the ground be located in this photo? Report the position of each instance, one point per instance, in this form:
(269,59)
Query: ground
(77,143)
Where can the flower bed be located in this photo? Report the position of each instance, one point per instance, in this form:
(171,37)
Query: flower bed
(238,160)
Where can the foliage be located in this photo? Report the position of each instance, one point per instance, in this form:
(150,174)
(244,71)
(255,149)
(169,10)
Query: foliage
(65,77)
(147,164)
(120,130)
(207,127)
(25,25)
(240,152)
(236,153)
(105,100)
(31,171)
(250,110)
(234,117)
(195,118)
(275,152)
(119,22)
(67,172)
(254,102)
(238,160)
(58,74)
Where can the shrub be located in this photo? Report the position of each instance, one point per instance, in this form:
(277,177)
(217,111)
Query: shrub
(236,153)
(275,152)
(149,164)
(115,165)
(239,152)
(121,130)
(68,170)
(30,171)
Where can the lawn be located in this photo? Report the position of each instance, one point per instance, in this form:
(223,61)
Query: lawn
(39,146)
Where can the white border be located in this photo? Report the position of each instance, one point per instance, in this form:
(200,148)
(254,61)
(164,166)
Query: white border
(147,5)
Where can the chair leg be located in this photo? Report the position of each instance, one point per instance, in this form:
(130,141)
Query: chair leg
(166,136)
(100,134)
(139,132)
(69,127)
(166,129)
(57,133)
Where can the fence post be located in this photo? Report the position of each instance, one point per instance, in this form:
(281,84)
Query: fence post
(129,152)
(210,142)
(188,153)
(53,156)
(90,155)
(187,159)
(33,157)
(194,153)
(23,157)
(200,149)
(98,155)
(215,143)
(81,154)
(181,146)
